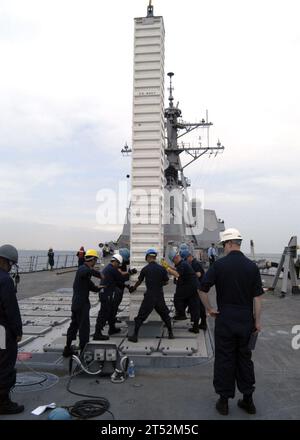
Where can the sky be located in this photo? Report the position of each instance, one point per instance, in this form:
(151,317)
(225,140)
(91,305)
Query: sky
(66,112)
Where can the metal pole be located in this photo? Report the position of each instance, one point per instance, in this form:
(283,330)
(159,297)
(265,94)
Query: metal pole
(36,263)
(57,262)
(278,272)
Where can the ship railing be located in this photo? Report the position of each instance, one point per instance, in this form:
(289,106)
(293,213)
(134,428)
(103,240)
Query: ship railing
(38,263)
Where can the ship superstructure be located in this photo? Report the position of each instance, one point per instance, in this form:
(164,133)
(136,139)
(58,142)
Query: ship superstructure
(157,149)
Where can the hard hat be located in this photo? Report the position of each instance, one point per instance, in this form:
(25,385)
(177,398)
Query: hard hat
(230,234)
(183,246)
(90,254)
(172,254)
(9,252)
(118,258)
(152,252)
(184,253)
(124,252)
(59,414)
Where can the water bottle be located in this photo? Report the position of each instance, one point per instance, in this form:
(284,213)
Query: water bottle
(131,369)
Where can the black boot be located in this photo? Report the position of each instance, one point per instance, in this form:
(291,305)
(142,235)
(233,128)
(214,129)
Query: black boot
(170,331)
(134,336)
(113,330)
(247,404)
(195,328)
(9,407)
(68,351)
(222,406)
(203,324)
(98,336)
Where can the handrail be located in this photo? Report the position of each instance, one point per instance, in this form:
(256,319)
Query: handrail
(38,263)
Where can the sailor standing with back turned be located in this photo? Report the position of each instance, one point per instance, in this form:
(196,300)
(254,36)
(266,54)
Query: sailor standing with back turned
(239,289)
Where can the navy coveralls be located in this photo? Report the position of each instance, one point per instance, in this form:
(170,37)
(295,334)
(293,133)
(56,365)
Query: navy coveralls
(119,291)
(112,279)
(186,291)
(237,280)
(197,266)
(80,319)
(155,277)
(10,319)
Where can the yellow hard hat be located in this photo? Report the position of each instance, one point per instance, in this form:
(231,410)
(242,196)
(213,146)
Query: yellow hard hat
(91,253)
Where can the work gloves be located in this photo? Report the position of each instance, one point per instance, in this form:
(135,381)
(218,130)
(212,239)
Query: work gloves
(132,271)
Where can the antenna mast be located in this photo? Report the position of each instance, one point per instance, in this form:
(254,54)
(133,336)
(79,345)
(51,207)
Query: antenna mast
(150,9)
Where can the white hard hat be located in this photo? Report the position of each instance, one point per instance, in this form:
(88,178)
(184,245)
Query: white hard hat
(118,258)
(230,234)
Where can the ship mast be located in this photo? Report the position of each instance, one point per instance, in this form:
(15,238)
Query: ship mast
(173,150)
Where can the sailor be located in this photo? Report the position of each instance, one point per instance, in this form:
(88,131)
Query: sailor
(50,259)
(112,278)
(197,266)
(239,289)
(212,254)
(186,290)
(80,319)
(11,330)
(119,289)
(100,252)
(80,255)
(155,277)
(106,250)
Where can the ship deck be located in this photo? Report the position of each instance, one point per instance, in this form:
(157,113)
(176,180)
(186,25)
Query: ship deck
(166,387)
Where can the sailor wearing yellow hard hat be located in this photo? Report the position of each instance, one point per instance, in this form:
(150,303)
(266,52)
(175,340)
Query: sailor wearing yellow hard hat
(80,319)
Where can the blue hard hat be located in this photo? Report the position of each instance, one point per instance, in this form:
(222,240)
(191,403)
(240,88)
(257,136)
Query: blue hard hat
(124,252)
(184,253)
(59,414)
(172,254)
(183,246)
(152,252)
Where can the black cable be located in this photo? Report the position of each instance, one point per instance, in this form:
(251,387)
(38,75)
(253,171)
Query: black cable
(87,408)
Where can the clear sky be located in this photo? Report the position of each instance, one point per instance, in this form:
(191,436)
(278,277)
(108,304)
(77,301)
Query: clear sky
(66,104)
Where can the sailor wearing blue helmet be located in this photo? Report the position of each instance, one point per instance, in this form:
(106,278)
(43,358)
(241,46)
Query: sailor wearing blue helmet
(155,277)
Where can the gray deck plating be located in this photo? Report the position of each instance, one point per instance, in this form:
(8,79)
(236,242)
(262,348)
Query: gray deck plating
(184,393)
(46,319)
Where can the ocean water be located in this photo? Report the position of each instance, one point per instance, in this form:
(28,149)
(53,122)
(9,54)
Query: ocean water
(269,257)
